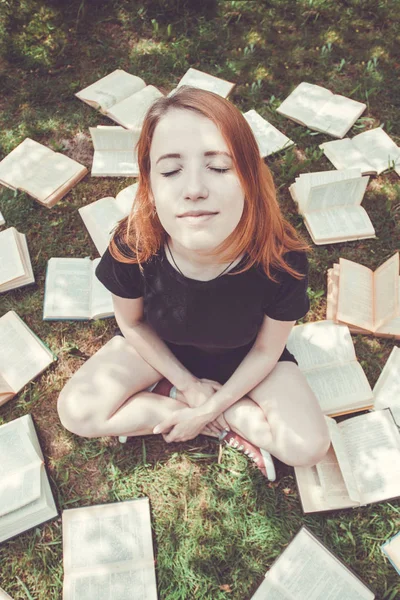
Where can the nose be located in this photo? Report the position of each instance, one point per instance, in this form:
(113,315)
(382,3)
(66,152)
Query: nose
(195,187)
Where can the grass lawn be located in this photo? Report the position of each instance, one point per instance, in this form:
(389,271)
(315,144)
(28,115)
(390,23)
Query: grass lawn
(217,524)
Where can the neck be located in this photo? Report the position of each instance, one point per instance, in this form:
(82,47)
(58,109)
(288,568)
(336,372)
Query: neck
(197,258)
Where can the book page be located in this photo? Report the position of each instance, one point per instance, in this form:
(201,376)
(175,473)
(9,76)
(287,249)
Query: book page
(11,265)
(387,388)
(21,163)
(332,293)
(304,102)
(373,447)
(100,542)
(269,139)
(306,570)
(340,388)
(321,343)
(111,89)
(131,112)
(113,138)
(50,175)
(4,595)
(100,218)
(112,584)
(68,288)
(344,155)
(115,163)
(338,115)
(125,199)
(306,181)
(22,355)
(312,496)
(334,470)
(205,81)
(356,295)
(392,550)
(386,291)
(101,298)
(340,193)
(340,224)
(378,148)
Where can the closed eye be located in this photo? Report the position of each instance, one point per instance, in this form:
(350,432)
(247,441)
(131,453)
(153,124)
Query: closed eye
(169,173)
(219,170)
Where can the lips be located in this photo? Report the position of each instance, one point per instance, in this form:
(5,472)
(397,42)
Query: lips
(197,213)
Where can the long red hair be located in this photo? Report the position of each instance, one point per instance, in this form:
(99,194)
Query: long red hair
(262,233)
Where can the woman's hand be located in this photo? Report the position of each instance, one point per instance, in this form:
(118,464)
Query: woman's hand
(198,393)
(184,424)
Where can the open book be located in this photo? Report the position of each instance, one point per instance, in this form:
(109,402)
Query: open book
(72,291)
(111,89)
(22,355)
(114,152)
(367,301)
(319,109)
(40,172)
(15,262)
(108,552)
(372,152)
(131,112)
(330,204)
(325,353)
(101,216)
(307,570)
(391,549)
(362,465)
(25,495)
(387,388)
(204,81)
(269,139)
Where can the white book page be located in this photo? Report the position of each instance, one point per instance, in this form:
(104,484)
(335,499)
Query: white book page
(313,498)
(333,484)
(306,181)
(321,344)
(341,193)
(125,199)
(378,148)
(332,292)
(343,154)
(386,291)
(50,175)
(112,584)
(100,218)
(340,224)
(113,163)
(356,296)
(21,163)
(373,447)
(101,300)
(11,265)
(337,115)
(22,356)
(110,89)
(304,102)
(334,470)
(306,570)
(113,138)
(392,550)
(340,388)
(131,112)
(68,288)
(387,388)
(204,81)
(269,139)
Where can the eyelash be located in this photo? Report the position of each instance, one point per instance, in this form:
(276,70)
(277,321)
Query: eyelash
(168,174)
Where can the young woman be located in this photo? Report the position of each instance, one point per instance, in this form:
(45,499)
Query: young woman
(207,279)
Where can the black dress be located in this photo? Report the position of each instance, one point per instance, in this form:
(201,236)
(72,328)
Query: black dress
(209,325)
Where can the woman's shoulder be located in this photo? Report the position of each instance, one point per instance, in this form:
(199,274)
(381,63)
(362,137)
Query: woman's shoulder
(295,259)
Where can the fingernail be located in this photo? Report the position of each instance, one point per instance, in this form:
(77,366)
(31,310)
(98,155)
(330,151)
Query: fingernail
(156,430)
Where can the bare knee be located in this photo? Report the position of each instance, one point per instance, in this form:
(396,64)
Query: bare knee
(308,453)
(75,414)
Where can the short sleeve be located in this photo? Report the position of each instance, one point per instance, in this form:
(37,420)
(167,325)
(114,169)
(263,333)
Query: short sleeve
(122,279)
(290,301)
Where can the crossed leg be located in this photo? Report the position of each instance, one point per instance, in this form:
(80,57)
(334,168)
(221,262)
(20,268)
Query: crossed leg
(107,397)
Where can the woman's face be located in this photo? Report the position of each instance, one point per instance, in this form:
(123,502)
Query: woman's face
(196,190)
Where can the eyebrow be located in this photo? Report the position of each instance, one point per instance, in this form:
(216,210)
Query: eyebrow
(209,153)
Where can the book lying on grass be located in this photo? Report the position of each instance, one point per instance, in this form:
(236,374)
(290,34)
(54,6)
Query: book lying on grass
(101,216)
(114,152)
(373,152)
(387,388)
(325,353)
(319,109)
(391,549)
(72,291)
(15,262)
(23,355)
(367,301)
(204,81)
(330,202)
(130,113)
(307,570)
(362,465)
(2,220)
(25,495)
(269,139)
(40,172)
(108,91)
(108,552)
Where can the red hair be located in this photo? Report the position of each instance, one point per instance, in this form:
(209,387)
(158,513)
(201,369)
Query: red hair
(262,233)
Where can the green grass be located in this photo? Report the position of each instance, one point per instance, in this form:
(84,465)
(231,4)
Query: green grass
(217,525)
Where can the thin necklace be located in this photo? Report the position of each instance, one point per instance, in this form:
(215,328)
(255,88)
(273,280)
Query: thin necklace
(174,261)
